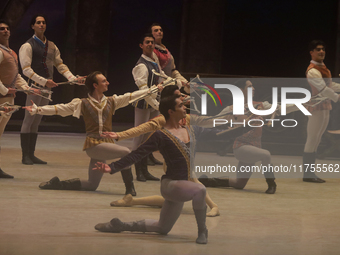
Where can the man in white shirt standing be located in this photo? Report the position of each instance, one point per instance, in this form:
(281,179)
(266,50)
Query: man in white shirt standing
(320,80)
(10,78)
(145,109)
(37,58)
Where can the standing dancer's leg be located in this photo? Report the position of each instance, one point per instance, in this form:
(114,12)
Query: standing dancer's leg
(4,118)
(212,205)
(141,167)
(316,126)
(29,131)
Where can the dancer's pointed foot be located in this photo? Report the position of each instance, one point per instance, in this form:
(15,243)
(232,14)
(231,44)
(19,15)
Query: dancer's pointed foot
(126,201)
(315,180)
(113,226)
(213,212)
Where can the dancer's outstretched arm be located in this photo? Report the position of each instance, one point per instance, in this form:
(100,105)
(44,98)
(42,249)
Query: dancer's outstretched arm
(150,145)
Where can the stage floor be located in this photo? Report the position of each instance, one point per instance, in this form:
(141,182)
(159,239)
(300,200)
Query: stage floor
(301,218)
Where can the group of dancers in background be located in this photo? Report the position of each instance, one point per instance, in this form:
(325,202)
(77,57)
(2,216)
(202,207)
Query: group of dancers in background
(159,110)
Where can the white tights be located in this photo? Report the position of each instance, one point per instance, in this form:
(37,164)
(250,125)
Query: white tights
(317,124)
(101,153)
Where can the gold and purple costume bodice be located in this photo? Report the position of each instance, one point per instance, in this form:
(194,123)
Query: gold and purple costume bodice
(98,119)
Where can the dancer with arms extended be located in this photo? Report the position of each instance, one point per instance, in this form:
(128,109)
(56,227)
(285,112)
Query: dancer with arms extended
(10,79)
(173,142)
(97,111)
(151,126)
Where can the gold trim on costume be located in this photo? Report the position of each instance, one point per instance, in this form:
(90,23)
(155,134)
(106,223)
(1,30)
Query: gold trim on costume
(178,145)
(142,85)
(91,141)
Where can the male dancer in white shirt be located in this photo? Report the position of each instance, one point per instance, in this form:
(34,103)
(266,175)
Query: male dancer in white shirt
(10,78)
(37,58)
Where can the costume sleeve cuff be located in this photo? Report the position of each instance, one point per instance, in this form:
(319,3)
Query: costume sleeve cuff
(34,109)
(113,169)
(3,90)
(69,76)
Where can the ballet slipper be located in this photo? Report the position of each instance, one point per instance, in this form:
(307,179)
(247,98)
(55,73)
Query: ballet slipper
(126,201)
(213,212)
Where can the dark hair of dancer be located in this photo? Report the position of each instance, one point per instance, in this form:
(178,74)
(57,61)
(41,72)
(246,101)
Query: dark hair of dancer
(34,19)
(153,25)
(141,40)
(90,79)
(166,104)
(315,43)
(169,90)
(4,22)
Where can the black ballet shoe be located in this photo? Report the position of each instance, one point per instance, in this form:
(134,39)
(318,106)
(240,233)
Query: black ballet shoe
(130,189)
(271,190)
(36,160)
(32,142)
(139,175)
(315,180)
(150,177)
(214,182)
(5,175)
(150,162)
(202,237)
(54,183)
(271,186)
(145,172)
(128,181)
(26,160)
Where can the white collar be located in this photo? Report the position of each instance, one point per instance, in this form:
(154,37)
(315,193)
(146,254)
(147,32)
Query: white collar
(95,100)
(317,63)
(149,59)
(5,48)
